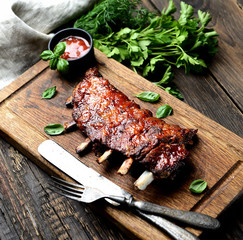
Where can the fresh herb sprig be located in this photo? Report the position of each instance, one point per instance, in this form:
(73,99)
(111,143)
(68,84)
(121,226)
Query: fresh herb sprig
(56,62)
(161,43)
(109,16)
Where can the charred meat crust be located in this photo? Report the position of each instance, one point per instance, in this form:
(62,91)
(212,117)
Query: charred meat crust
(107,116)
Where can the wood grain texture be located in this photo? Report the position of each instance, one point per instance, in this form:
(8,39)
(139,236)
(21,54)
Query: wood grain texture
(216,152)
(29,211)
(23,79)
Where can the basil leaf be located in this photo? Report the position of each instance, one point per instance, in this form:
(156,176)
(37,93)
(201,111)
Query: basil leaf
(148,96)
(198,186)
(60,49)
(49,93)
(164,111)
(54,129)
(53,63)
(47,55)
(62,65)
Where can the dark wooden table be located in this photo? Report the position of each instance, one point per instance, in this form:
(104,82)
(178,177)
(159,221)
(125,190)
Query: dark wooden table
(27,212)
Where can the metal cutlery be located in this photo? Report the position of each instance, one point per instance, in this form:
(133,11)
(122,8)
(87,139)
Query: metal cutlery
(89,194)
(172,229)
(71,166)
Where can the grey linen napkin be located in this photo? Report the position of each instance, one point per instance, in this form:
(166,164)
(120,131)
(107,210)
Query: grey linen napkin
(25,29)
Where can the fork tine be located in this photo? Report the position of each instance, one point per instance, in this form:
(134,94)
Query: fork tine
(62,186)
(66,182)
(67,189)
(67,186)
(76,191)
(67,195)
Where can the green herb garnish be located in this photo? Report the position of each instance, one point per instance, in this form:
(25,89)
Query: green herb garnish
(54,129)
(148,96)
(156,46)
(49,93)
(60,49)
(62,65)
(198,186)
(47,55)
(109,16)
(56,62)
(164,111)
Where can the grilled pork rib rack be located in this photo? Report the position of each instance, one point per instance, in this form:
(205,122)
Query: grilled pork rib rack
(106,116)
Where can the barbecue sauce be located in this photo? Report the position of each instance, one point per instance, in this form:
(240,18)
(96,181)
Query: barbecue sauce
(76,47)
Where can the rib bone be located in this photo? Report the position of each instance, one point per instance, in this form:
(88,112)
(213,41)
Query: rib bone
(69,102)
(144,180)
(105,156)
(83,145)
(69,126)
(125,166)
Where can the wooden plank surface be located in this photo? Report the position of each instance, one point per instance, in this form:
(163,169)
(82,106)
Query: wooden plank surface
(29,210)
(25,211)
(216,153)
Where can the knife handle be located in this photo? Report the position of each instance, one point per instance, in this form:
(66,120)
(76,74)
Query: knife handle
(192,218)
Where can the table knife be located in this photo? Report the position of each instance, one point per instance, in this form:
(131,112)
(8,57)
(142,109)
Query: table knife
(86,176)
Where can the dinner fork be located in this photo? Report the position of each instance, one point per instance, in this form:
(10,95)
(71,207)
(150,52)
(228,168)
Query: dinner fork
(89,194)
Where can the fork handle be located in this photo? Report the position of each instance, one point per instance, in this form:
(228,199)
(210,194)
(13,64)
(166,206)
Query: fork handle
(189,217)
(172,229)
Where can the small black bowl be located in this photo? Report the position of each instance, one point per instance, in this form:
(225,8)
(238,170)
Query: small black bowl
(79,65)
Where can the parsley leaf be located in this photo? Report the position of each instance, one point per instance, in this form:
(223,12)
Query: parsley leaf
(204,18)
(186,13)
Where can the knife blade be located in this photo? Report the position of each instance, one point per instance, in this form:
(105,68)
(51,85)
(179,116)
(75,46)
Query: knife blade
(84,175)
(78,171)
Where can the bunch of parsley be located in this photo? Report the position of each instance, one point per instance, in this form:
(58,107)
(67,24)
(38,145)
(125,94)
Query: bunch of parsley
(152,49)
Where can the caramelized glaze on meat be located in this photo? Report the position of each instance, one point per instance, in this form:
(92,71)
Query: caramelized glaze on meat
(107,116)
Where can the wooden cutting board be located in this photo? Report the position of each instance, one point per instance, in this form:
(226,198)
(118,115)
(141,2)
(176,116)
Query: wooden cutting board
(216,156)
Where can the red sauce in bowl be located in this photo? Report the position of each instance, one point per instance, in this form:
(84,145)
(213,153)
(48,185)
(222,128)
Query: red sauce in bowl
(76,47)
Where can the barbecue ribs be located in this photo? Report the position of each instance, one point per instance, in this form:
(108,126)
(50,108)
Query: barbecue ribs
(108,117)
